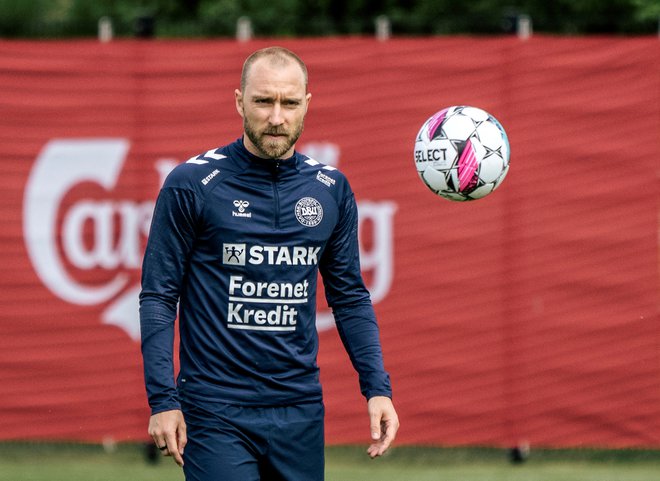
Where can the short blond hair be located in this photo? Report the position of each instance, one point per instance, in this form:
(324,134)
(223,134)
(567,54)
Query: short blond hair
(278,56)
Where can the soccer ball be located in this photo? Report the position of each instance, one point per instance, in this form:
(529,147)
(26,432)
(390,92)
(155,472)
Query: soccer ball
(462,153)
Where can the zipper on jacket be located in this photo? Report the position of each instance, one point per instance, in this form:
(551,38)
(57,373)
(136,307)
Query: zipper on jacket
(276,193)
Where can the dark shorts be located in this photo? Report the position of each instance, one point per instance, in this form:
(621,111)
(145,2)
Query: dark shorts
(235,443)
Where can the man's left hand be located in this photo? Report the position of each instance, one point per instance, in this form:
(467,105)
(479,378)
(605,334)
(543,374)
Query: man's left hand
(384,424)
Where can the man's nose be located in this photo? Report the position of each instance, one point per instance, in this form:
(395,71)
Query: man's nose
(276,117)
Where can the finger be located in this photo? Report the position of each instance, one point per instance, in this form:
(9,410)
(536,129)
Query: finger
(163,447)
(161,444)
(159,438)
(383,444)
(372,451)
(375,426)
(178,458)
(375,450)
(182,438)
(173,449)
(391,428)
(379,449)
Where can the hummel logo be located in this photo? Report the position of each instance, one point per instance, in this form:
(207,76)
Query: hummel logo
(241,205)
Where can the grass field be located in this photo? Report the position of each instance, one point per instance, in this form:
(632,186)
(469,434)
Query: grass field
(66,462)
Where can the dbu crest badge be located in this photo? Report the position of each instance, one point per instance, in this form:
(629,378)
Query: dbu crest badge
(309,212)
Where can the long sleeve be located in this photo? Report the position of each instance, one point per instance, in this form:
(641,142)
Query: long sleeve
(351,305)
(163,272)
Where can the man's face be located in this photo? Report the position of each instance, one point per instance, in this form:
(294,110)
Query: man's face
(273,106)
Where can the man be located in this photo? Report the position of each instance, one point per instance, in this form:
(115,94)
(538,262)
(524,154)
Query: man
(238,236)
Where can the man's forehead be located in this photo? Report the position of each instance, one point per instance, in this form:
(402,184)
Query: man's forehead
(269,74)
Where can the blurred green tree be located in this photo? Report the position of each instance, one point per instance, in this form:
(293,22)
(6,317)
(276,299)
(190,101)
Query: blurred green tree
(217,18)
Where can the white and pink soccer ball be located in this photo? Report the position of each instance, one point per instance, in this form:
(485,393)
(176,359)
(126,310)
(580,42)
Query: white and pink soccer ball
(462,153)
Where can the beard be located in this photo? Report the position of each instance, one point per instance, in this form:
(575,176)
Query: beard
(272,148)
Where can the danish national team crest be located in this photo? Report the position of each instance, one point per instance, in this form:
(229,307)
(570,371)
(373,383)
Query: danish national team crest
(309,212)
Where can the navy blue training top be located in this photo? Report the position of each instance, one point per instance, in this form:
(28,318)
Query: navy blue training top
(238,241)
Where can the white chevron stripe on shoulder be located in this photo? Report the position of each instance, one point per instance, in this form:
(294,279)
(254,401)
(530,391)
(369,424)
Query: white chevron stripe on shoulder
(328,167)
(211,154)
(312,162)
(195,160)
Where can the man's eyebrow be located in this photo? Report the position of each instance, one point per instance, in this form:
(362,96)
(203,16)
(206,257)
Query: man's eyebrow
(284,98)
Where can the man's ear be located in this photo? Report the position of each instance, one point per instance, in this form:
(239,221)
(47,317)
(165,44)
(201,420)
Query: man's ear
(308,97)
(238,96)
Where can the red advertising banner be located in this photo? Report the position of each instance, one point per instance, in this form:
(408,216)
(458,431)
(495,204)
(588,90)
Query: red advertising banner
(527,316)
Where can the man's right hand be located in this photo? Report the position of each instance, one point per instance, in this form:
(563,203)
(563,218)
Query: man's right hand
(168,430)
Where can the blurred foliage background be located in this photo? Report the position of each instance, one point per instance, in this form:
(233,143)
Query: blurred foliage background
(299,18)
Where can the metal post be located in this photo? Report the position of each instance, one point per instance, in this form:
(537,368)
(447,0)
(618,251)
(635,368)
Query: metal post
(524,27)
(105,29)
(243,29)
(383,28)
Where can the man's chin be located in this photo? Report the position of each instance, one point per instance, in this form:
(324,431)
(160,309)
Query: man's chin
(275,149)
